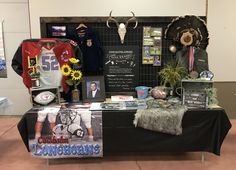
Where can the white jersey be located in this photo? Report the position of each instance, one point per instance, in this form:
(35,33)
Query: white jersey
(50,72)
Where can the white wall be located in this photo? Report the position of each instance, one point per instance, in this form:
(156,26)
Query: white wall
(46,8)
(221,49)
(16,28)
(221,26)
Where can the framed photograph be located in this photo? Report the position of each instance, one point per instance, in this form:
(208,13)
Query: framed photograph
(93,89)
(146,51)
(156,32)
(148,60)
(146,31)
(58,31)
(32,61)
(148,41)
(157,60)
(155,51)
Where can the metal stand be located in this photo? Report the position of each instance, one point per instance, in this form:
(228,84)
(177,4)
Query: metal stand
(48,162)
(202,157)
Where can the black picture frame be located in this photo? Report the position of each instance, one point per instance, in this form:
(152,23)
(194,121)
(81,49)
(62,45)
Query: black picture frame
(95,82)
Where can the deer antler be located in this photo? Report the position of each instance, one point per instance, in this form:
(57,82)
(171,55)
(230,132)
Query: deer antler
(112,19)
(132,18)
(121,27)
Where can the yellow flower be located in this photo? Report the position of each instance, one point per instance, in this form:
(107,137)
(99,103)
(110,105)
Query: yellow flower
(74,60)
(76,75)
(66,70)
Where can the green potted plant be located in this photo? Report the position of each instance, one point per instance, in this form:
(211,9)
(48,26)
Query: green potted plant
(171,74)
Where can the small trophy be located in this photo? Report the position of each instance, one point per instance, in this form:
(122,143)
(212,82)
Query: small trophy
(33,71)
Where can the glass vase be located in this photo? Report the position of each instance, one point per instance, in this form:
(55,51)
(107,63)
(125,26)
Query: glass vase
(75,96)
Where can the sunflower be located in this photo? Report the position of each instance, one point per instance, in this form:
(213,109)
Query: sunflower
(74,60)
(76,75)
(66,70)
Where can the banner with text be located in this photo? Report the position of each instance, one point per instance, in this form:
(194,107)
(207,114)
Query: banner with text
(60,133)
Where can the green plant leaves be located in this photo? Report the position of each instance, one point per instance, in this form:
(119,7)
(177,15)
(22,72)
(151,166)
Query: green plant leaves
(172,74)
(77,83)
(69,82)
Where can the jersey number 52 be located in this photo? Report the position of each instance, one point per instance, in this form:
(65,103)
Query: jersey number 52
(50,63)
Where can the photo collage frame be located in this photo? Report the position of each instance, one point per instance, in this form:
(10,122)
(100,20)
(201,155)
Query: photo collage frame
(152,44)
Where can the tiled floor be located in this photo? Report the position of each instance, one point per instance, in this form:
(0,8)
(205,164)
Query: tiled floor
(14,156)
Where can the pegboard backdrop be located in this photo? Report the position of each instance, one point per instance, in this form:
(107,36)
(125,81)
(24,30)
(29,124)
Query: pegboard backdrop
(148,74)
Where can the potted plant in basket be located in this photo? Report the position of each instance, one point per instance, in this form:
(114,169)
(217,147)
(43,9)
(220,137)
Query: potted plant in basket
(171,75)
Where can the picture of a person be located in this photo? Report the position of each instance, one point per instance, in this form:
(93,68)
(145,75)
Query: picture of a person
(93,91)
(86,118)
(32,62)
(51,114)
(157,61)
(71,123)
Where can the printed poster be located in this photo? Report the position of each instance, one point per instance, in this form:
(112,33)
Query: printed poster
(3,68)
(59,31)
(121,68)
(68,132)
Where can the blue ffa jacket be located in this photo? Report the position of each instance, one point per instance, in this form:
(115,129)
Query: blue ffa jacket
(89,43)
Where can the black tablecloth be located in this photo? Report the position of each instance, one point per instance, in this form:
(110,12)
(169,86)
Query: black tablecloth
(203,130)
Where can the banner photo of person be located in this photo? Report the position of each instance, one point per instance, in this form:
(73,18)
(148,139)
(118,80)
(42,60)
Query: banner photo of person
(73,131)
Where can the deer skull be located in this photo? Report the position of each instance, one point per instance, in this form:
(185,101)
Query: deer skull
(122,27)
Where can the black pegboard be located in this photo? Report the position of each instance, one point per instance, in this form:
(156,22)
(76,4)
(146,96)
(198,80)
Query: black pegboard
(148,74)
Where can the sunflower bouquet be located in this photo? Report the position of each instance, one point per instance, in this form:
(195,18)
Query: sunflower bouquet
(72,72)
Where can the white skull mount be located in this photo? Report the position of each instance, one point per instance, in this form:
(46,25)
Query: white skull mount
(122,27)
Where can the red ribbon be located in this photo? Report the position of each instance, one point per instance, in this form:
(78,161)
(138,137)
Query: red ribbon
(191,59)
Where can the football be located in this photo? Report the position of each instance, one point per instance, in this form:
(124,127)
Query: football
(44,98)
